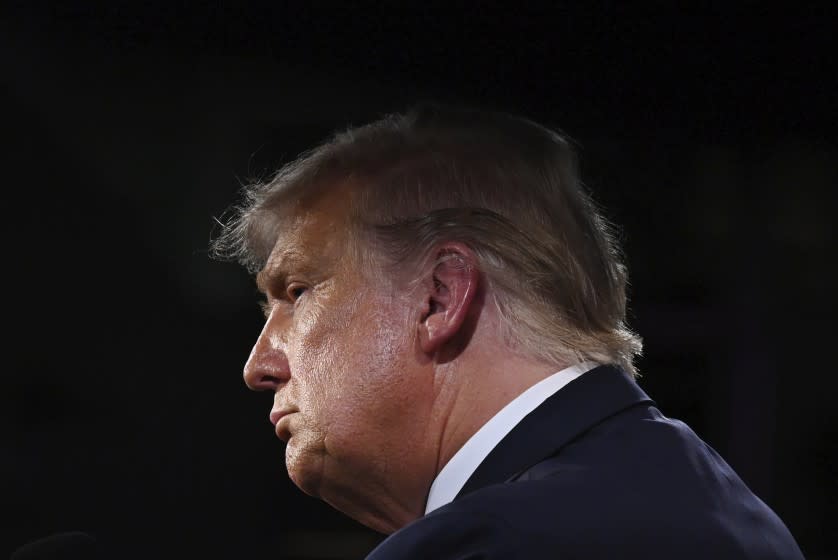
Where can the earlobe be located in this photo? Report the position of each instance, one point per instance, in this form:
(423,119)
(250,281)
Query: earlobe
(451,289)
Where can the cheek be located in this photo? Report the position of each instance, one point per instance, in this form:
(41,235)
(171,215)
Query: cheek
(329,342)
(351,358)
(373,388)
(316,345)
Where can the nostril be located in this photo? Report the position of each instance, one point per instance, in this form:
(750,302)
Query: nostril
(268,382)
(261,381)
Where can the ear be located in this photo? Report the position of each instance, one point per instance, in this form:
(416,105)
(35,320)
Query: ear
(449,295)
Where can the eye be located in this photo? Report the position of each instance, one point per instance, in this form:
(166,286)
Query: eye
(295,291)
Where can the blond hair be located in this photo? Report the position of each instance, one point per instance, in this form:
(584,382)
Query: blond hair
(505,186)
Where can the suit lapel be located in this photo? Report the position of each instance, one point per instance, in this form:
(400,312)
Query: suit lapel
(578,406)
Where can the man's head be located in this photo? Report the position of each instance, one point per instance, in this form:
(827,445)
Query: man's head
(502,184)
(420,272)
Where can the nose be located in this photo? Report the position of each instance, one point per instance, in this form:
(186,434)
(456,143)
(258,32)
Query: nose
(267,366)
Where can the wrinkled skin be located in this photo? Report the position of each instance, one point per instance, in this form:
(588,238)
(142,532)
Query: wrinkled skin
(337,350)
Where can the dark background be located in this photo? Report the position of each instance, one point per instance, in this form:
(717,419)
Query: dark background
(709,137)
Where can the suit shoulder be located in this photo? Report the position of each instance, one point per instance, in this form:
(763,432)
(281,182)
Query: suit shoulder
(452,533)
(564,517)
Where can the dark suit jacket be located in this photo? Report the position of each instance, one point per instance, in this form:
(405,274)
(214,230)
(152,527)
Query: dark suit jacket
(598,472)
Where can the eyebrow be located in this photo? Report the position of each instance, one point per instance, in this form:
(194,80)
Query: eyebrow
(264,279)
(275,272)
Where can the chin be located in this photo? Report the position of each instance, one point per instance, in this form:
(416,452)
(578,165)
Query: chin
(304,470)
(305,482)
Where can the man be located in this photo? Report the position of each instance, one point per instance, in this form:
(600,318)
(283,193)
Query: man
(445,340)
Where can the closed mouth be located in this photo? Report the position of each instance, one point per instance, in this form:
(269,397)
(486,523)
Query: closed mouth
(276,415)
(281,428)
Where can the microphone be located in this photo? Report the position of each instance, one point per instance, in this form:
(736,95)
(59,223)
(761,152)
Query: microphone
(69,545)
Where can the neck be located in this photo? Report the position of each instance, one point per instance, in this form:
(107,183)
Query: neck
(473,393)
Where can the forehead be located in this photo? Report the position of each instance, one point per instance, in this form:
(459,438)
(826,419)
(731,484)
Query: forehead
(311,234)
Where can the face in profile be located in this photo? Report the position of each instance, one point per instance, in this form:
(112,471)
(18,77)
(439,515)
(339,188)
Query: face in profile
(338,348)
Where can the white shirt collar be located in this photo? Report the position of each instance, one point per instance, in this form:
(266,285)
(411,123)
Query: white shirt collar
(462,465)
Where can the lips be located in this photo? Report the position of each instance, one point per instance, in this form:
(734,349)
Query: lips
(280,427)
(277,414)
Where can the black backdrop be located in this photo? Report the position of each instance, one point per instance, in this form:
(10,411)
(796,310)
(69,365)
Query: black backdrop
(709,137)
